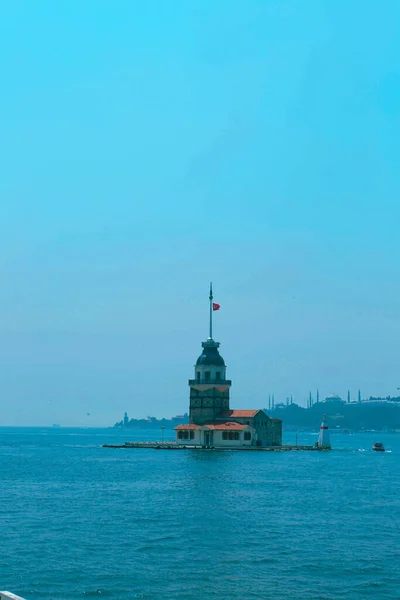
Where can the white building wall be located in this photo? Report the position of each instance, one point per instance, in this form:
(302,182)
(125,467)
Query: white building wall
(195,442)
(219,441)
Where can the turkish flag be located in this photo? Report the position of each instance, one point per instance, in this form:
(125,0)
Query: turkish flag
(216,306)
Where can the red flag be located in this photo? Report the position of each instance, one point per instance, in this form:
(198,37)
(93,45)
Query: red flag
(216,306)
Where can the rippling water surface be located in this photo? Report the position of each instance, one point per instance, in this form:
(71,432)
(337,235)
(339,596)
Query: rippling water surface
(80,521)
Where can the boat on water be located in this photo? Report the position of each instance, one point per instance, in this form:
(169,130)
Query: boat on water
(378,447)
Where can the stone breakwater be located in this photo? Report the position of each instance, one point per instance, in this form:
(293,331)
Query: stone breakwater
(174,446)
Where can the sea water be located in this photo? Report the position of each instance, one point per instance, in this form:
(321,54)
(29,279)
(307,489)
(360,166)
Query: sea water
(81,521)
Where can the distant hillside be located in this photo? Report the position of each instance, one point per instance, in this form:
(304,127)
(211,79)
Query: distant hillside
(354,416)
(152,423)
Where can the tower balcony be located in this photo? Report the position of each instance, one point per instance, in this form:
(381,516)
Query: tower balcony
(210,382)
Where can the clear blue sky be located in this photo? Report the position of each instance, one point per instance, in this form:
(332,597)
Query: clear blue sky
(151,146)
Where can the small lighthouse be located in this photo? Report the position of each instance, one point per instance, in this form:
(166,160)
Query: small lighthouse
(323,439)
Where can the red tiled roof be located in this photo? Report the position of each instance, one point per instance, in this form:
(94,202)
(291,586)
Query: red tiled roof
(225,426)
(239,413)
(215,425)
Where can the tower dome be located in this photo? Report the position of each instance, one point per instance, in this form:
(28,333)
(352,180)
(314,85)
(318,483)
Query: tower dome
(210,355)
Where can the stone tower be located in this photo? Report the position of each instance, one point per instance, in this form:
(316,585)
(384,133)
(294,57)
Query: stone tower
(209,390)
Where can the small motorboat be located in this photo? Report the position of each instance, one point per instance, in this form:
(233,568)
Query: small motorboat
(378,447)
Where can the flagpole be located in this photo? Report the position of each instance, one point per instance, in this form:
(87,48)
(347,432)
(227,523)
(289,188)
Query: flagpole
(211,299)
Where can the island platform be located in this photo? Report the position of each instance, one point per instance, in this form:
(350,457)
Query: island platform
(175,446)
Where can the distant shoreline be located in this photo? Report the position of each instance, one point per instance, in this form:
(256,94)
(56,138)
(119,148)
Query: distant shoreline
(343,417)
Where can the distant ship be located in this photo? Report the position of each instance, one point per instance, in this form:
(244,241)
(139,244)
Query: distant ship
(378,447)
(56,425)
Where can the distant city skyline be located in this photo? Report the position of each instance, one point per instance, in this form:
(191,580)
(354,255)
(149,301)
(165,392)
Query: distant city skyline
(148,150)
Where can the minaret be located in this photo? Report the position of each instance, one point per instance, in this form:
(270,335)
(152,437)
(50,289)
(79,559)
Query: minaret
(323,439)
(209,390)
(317,395)
(348,397)
(359,395)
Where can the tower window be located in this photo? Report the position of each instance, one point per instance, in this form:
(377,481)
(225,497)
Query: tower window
(198,375)
(218,376)
(207,375)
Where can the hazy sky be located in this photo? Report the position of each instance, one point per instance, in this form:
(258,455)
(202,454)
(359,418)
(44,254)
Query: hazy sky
(151,146)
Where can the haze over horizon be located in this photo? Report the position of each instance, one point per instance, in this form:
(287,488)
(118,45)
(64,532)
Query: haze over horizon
(149,148)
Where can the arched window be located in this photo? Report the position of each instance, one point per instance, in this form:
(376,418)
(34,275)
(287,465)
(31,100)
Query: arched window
(247,435)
